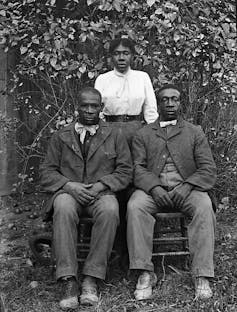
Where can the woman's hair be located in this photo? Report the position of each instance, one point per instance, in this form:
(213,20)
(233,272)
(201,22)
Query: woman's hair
(127,43)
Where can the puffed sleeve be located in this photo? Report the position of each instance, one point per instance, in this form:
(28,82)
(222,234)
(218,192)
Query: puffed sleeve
(150,104)
(99,83)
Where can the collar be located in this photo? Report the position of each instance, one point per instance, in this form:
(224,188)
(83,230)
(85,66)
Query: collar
(92,129)
(117,73)
(168,123)
(82,129)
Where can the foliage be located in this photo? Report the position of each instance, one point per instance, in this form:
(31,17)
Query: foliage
(62,45)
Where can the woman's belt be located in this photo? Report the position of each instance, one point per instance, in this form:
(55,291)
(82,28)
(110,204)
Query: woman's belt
(114,118)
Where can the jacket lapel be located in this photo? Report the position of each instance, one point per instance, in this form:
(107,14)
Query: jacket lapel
(174,130)
(102,133)
(159,131)
(68,136)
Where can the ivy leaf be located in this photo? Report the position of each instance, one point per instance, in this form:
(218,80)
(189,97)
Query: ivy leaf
(150,2)
(231,43)
(171,6)
(57,44)
(159,11)
(64,63)
(83,37)
(116,5)
(35,40)
(99,66)
(217,65)
(3,13)
(89,2)
(73,66)
(91,75)
(176,37)
(53,61)
(46,36)
(82,68)
(23,50)
(226,28)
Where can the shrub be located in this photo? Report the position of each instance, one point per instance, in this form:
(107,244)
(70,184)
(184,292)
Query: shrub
(62,45)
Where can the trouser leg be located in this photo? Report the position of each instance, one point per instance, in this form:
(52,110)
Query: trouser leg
(121,241)
(121,236)
(201,232)
(140,228)
(105,213)
(65,222)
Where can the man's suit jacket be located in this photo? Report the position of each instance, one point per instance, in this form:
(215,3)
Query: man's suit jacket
(188,148)
(108,161)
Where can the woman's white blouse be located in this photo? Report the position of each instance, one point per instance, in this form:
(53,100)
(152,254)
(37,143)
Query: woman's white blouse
(127,94)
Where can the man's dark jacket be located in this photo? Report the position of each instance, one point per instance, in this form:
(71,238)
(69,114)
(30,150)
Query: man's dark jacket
(188,148)
(108,161)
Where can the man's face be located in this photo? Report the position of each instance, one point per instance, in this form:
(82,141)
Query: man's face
(169,104)
(89,109)
(122,58)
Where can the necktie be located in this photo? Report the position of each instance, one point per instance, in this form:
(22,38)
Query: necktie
(81,130)
(168,123)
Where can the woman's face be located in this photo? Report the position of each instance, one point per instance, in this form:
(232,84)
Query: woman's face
(122,57)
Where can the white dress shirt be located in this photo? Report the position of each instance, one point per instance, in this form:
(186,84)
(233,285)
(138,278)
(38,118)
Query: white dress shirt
(127,94)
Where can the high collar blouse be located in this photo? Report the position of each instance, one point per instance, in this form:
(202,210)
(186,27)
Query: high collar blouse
(131,93)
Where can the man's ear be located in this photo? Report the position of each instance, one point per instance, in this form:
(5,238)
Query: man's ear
(102,105)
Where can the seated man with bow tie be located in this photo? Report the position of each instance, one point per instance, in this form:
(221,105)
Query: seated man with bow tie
(86,164)
(174,170)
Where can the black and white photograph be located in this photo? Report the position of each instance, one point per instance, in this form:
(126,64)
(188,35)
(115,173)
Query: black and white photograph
(118,155)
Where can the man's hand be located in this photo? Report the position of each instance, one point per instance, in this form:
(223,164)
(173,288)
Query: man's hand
(161,197)
(80,191)
(180,193)
(96,188)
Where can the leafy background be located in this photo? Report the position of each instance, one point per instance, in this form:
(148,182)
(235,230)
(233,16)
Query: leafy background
(60,46)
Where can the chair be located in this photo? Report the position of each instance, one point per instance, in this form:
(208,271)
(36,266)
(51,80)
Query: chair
(170,235)
(84,237)
(41,244)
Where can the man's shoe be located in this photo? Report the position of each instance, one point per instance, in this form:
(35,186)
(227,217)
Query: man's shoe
(202,288)
(89,294)
(146,281)
(70,298)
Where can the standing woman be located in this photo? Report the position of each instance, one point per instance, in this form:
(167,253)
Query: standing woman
(127,94)
(129,100)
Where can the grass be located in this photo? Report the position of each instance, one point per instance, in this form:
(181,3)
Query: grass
(174,291)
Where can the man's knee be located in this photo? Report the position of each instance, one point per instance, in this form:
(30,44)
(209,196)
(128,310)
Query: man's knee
(132,207)
(64,204)
(203,206)
(136,204)
(109,207)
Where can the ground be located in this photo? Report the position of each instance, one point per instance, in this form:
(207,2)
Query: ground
(26,286)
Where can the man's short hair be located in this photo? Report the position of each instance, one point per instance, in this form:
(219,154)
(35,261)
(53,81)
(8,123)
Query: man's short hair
(168,86)
(89,90)
(126,42)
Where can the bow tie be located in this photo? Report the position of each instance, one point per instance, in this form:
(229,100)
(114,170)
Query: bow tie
(168,123)
(81,130)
